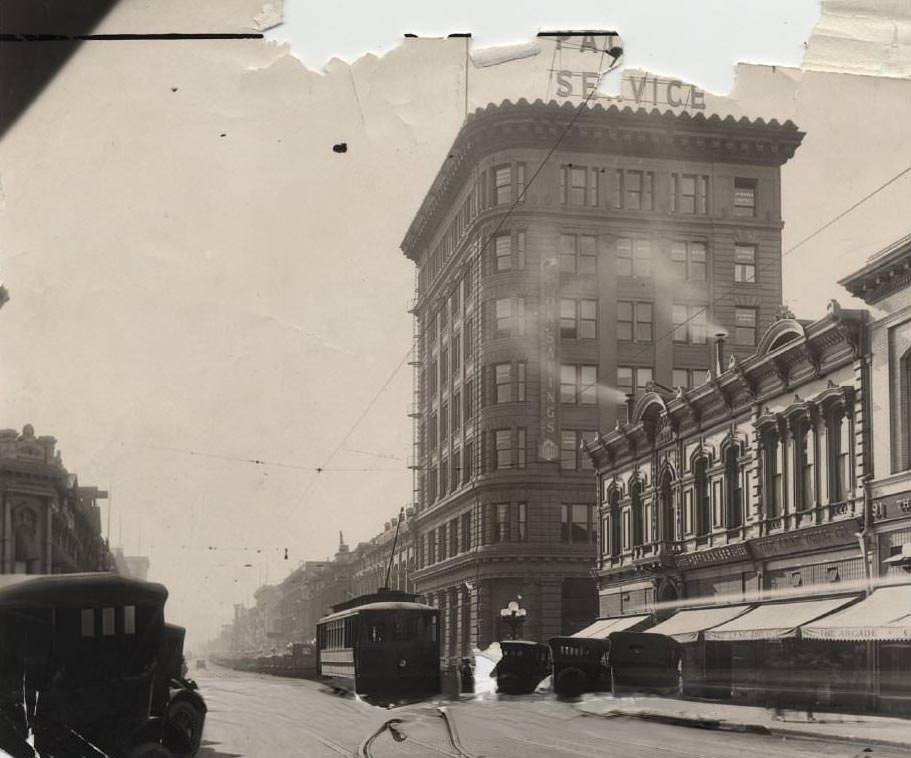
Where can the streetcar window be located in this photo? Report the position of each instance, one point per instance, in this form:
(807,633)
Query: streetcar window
(107,621)
(129,619)
(376,631)
(88,622)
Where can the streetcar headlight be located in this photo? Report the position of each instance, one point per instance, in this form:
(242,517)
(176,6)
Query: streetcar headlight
(402,663)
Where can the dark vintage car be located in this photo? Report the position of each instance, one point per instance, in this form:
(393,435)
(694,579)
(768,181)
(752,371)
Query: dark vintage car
(87,659)
(580,664)
(383,646)
(644,663)
(523,667)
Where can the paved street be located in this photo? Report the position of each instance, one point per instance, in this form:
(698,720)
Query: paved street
(253,716)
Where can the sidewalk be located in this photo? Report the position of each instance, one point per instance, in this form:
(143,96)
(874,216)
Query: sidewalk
(869,730)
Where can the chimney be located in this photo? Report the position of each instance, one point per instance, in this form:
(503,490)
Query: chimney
(630,402)
(718,362)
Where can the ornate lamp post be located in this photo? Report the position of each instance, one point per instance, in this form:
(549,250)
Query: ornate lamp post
(513,615)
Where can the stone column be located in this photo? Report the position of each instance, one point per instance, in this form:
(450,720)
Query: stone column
(551,622)
(6,545)
(49,538)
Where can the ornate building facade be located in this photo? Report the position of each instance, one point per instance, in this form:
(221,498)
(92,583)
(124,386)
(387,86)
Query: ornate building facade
(49,524)
(546,279)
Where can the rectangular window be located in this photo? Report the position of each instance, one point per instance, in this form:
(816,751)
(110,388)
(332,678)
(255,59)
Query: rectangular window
(444,476)
(503,448)
(578,385)
(455,473)
(688,261)
(744,197)
(745,264)
(469,400)
(521,380)
(467,461)
(522,522)
(107,622)
(503,309)
(578,254)
(578,319)
(520,250)
(520,182)
(444,422)
(632,380)
(129,619)
(578,186)
(433,378)
(689,323)
(688,377)
(634,257)
(469,337)
(88,622)
(456,350)
(503,383)
(432,484)
(521,443)
(634,322)
(568,326)
(503,252)
(444,366)
(502,179)
(588,319)
(501,525)
(745,326)
(576,526)
(432,431)
(466,531)
(568,450)
(689,193)
(456,412)
(635,190)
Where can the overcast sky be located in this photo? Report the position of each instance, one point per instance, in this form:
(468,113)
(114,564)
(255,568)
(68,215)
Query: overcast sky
(206,299)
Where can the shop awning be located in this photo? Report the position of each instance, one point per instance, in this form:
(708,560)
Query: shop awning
(773,621)
(685,626)
(603,627)
(884,615)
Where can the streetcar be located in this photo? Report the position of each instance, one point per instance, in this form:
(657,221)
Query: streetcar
(644,663)
(382,646)
(89,666)
(523,667)
(580,664)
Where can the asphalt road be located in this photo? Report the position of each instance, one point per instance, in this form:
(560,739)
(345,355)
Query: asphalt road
(259,716)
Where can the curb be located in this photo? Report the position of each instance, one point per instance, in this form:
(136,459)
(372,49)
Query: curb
(722,725)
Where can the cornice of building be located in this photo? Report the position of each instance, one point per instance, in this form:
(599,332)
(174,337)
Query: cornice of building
(597,129)
(886,271)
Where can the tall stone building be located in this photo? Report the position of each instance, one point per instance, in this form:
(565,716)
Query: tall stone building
(49,524)
(564,260)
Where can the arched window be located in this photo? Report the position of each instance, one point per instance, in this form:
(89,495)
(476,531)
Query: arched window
(771,480)
(638,513)
(666,499)
(803,466)
(616,527)
(733,494)
(701,505)
(838,433)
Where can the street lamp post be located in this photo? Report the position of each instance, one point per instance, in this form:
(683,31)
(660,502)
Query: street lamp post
(514,616)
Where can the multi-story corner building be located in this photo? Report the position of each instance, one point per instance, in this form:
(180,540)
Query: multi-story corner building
(48,523)
(564,260)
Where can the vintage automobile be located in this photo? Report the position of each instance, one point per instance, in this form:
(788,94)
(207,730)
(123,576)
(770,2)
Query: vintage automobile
(87,659)
(523,667)
(580,664)
(384,646)
(644,663)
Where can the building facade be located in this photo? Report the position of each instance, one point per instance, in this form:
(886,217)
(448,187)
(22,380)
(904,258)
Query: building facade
(48,523)
(555,252)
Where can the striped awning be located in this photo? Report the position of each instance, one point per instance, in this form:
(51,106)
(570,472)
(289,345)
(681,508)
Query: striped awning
(774,621)
(603,627)
(884,615)
(685,626)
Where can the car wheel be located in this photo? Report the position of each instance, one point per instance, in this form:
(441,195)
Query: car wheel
(183,727)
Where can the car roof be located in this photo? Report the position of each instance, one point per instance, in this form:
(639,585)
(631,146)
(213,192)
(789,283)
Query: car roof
(80,590)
